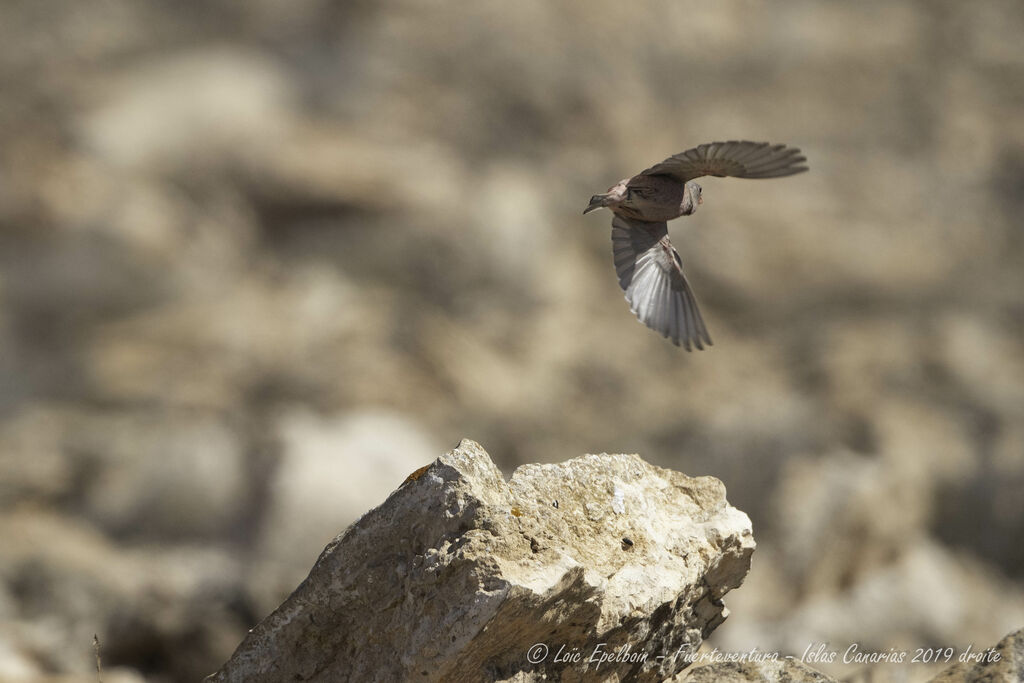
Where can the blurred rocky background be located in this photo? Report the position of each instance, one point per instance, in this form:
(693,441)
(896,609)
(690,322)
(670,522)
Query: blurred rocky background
(259,261)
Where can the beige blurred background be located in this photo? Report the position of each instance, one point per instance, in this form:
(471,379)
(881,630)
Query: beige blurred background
(259,261)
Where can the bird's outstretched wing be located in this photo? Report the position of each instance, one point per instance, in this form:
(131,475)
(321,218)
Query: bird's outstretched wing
(736,158)
(651,274)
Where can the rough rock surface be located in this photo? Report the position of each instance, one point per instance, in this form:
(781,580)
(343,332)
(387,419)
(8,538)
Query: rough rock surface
(779,671)
(460,575)
(1004,662)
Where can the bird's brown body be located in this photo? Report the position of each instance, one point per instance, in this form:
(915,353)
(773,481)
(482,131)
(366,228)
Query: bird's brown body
(649,268)
(650,198)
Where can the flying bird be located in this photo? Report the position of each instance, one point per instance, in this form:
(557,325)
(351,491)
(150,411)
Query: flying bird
(649,268)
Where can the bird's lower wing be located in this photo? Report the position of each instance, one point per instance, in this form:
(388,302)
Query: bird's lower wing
(736,158)
(651,274)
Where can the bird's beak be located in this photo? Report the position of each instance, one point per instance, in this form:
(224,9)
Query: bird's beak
(596,202)
(700,200)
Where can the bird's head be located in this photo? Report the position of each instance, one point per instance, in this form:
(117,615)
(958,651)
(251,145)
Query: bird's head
(610,198)
(692,199)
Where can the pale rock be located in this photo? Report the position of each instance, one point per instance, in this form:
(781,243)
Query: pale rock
(926,589)
(333,469)
(462,576)
(200,105)
(171,474)
(1004,662)
(779,671)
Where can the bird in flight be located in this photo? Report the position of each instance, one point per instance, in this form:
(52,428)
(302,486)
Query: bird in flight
(649,268)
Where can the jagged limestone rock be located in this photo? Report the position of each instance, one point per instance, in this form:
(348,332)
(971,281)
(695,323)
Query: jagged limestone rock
(1004,662)
(767,671)
(460,575)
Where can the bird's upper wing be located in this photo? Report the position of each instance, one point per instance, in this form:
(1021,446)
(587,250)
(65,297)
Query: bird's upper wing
(651,274)
(737,158)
